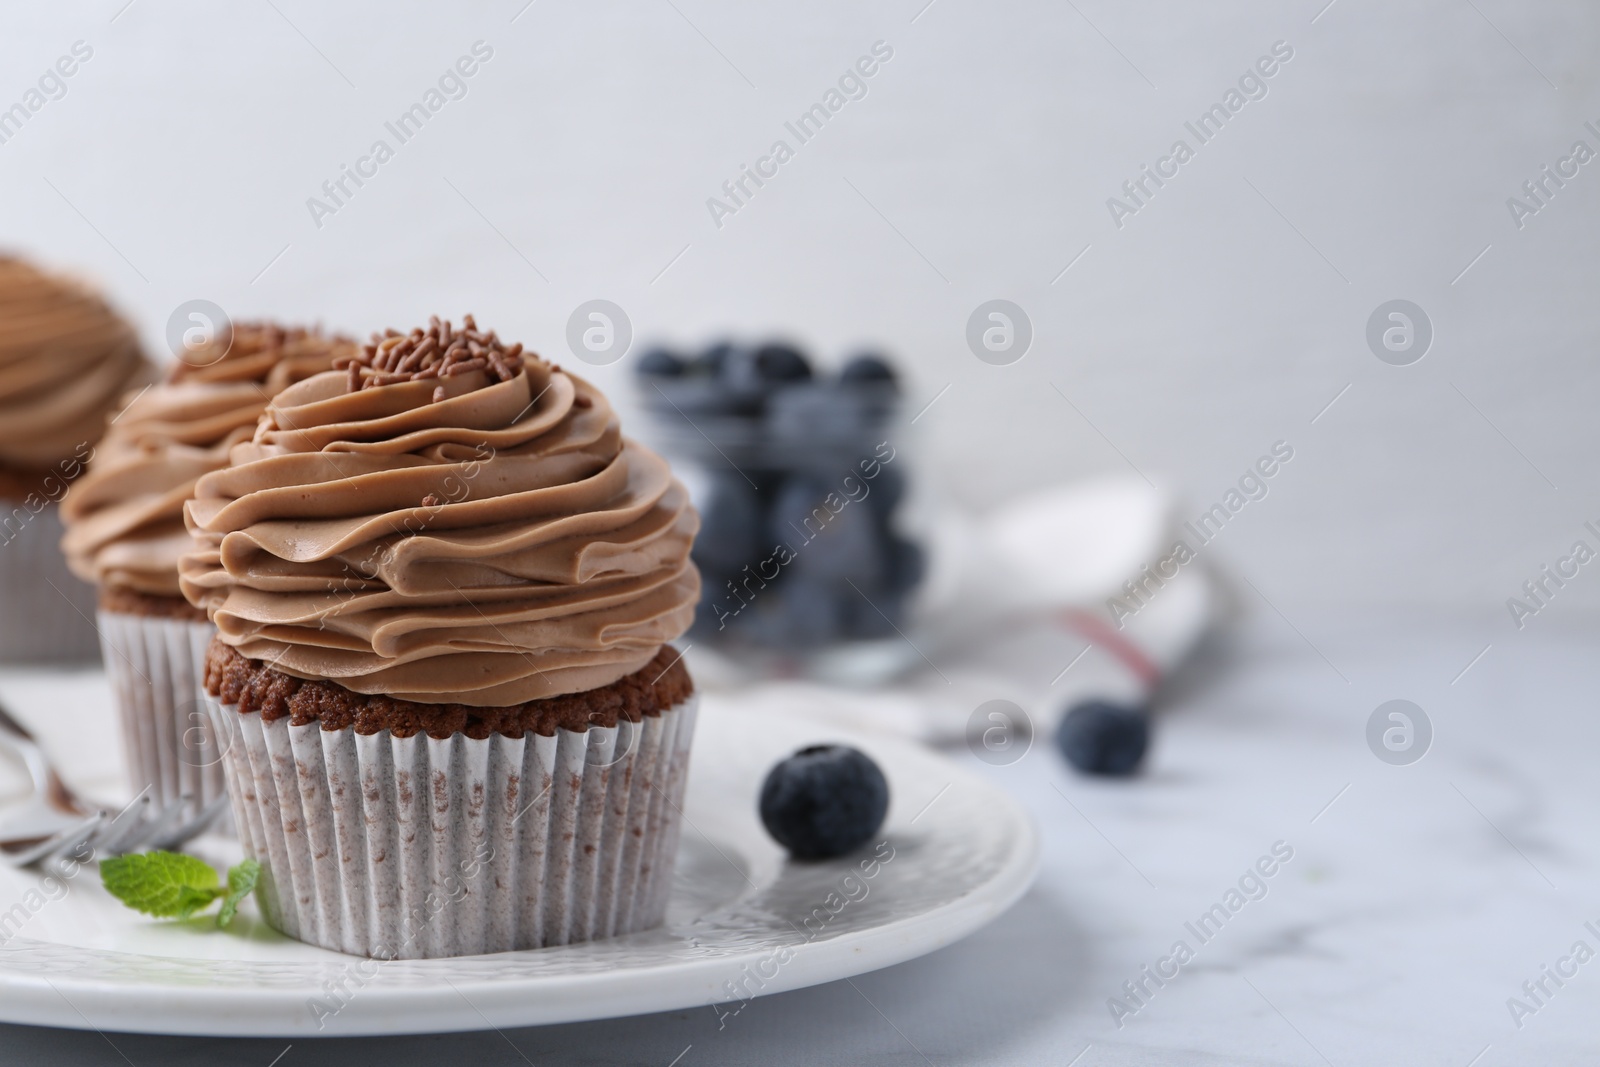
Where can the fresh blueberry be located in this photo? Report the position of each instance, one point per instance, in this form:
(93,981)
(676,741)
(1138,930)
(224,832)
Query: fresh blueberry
(805,613)
(718,609)
(659,363)
(753,376)
(781,363)
(834,543)
(872,612)
(689,395)
(907,563)
(1100,737)
(885,492)
(847,547)
(741,377)
(710,362)
(824,801)
(721,371)
(867,367)
(731,529)
(811,414)
(795,514)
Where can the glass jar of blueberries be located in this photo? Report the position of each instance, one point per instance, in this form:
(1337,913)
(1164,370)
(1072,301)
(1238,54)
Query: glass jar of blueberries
(801,479)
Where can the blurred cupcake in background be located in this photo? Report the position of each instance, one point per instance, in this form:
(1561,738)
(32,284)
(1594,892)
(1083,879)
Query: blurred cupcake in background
(125,533)
(66,359)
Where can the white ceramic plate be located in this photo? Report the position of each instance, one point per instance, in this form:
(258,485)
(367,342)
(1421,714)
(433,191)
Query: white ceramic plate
(743,921)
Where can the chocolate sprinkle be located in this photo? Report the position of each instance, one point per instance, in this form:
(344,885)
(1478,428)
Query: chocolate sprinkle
(440,351)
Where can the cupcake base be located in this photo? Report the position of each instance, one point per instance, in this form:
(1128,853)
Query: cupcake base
(169,743)
(418,847)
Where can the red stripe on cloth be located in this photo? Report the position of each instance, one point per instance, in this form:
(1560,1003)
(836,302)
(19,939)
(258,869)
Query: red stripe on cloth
(1097,632)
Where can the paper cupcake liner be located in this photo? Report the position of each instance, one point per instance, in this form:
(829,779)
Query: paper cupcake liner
(46,611)
(416,848)
(169,742)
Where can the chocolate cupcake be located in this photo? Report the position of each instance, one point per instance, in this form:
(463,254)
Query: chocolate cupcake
(125,533)
(444,586)
(65,361)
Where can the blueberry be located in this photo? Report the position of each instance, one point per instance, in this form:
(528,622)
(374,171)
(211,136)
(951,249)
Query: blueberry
(689,395)
(1099,737)
(730,525)
(741,376)
(813,414)
(885,492)
(867,367)
(907,563)
(877,618)
(794,510)
(828,544)
(848,547)
(805,613)
(824,801)
(781,363)
(752,376)
(710,362)
(725,387)
(659,363)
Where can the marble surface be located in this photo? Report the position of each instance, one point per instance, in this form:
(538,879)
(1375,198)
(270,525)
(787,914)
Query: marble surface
(1417,901)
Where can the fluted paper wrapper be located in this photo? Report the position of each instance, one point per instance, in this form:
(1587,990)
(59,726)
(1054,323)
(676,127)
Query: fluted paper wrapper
(169,742)
(416,848)
(46,611)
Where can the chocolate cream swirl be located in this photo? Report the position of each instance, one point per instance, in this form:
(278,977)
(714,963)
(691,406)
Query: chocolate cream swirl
(65,359)
(125,527)
(499,544)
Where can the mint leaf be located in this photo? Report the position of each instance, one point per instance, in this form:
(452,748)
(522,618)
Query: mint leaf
(163,884)
(242,881)
(170,885)
(191,900)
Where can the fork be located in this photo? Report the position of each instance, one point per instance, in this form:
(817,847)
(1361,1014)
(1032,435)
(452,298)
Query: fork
(54,820)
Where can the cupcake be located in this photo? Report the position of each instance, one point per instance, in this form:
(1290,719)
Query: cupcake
(65,360)
(125,534)
(444,586)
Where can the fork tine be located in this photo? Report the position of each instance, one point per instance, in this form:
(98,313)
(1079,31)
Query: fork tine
(77,839)
(67,840)
(191,828)
(125,825)
(153,832)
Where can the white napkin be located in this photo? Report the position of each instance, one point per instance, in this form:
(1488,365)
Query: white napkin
(1027,604)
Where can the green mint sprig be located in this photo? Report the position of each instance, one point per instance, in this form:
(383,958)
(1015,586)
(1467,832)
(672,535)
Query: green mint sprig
(170,885)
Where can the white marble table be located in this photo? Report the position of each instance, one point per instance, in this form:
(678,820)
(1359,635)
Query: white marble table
(1414,905)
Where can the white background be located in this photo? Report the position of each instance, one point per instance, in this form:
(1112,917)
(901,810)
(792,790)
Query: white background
(1223,317)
